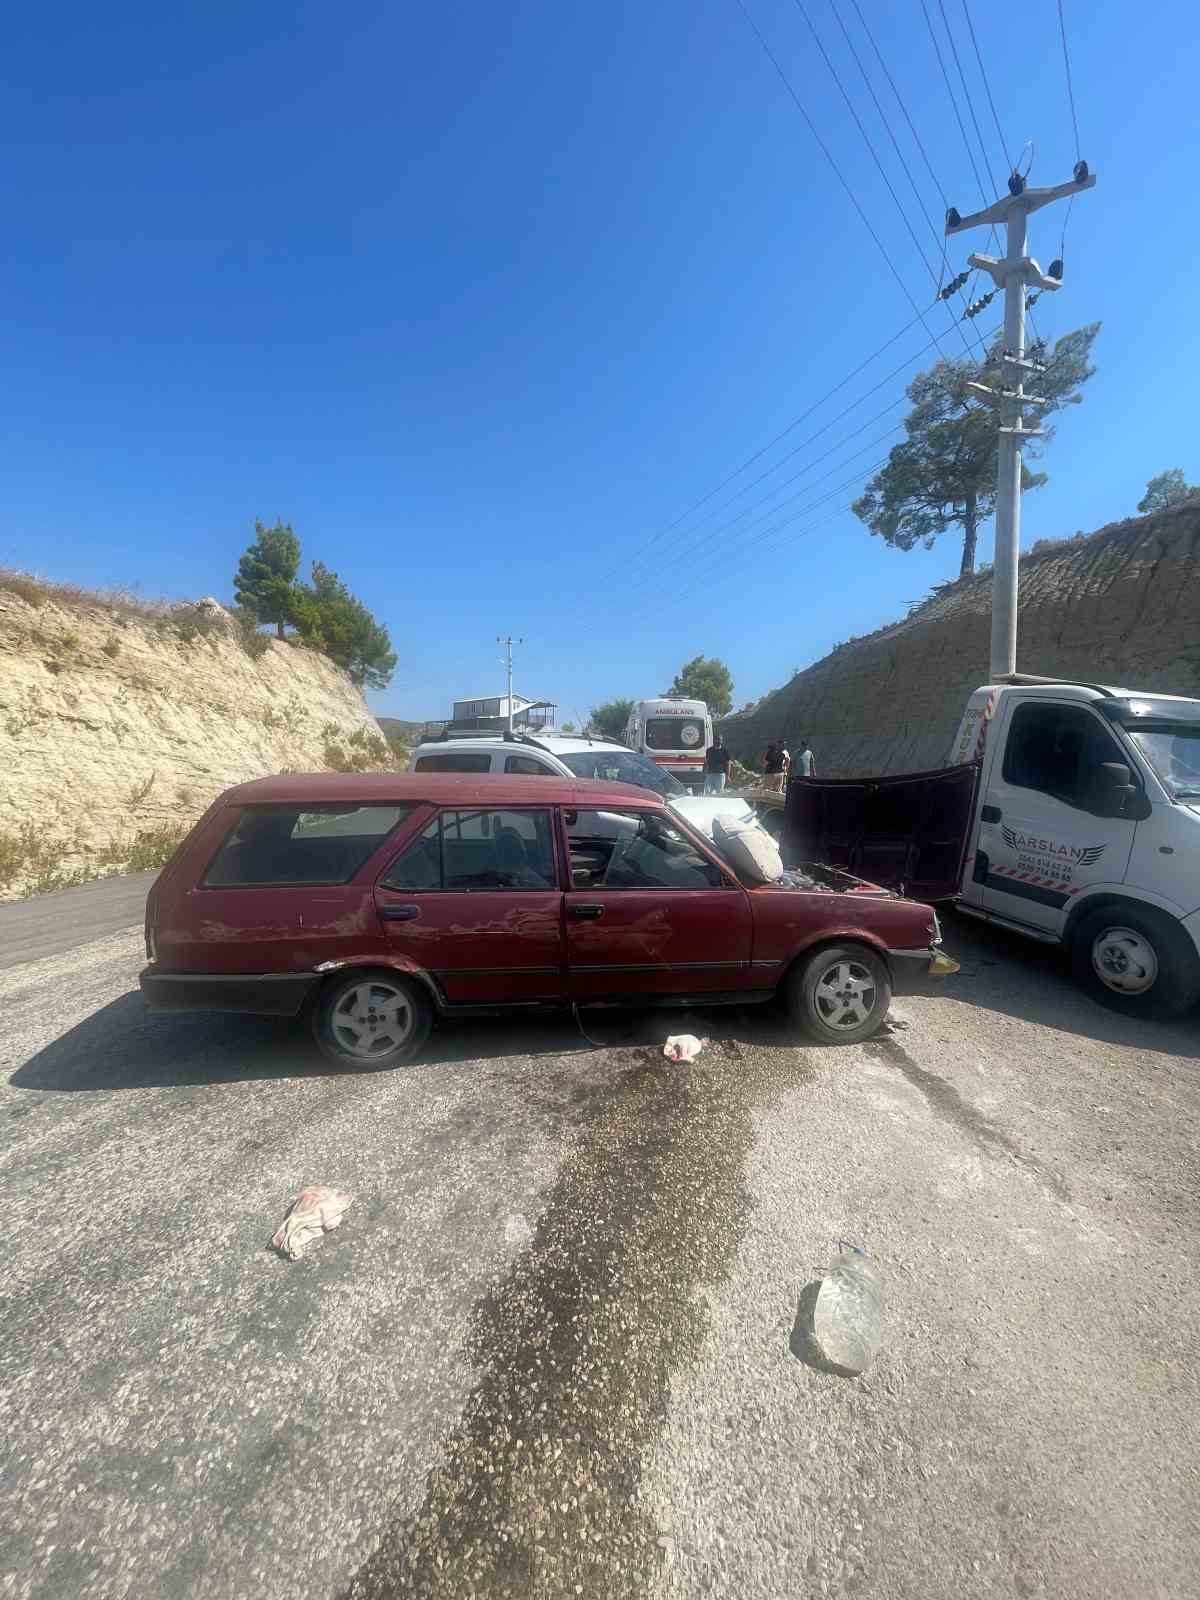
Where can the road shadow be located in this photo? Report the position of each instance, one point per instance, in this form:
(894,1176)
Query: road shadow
(802,1341)
(120,1047)
(1017,977)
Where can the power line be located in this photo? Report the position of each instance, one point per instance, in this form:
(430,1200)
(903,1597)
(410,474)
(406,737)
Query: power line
(987,86)
(1062,28)
(855,478)
(939,238)
(779,437)
(917,246)
(812,128)
(830,494)
(724,527)
(962,78)
(813,437)
(917,140)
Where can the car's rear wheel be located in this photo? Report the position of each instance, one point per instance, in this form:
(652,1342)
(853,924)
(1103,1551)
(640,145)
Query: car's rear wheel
(1136,961)
(372,1020)
(841,994)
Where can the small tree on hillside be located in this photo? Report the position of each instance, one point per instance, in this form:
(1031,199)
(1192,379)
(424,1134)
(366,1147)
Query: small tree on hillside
(265,583)
(944,474)
(329,618)
(705,678)
(610,718)
(1167,489)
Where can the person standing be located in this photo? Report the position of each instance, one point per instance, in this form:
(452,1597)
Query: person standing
(775,766)
(716,766)
(804,761)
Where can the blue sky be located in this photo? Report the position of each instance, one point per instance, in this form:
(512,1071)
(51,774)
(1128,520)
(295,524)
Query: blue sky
(481,297)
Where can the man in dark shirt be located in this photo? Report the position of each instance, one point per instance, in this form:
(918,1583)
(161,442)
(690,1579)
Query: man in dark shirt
(716,766)
(776,762)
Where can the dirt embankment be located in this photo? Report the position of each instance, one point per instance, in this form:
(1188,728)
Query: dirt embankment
(1122,606)
(119,725)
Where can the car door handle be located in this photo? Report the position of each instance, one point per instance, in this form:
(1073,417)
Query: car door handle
(585,913)
(991,813)
(399,913)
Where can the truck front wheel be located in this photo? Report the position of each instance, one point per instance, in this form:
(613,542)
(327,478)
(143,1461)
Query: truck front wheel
(1136,961)
(841,994)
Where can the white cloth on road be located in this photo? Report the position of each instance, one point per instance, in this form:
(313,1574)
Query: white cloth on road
(683,1047)
(315,1210)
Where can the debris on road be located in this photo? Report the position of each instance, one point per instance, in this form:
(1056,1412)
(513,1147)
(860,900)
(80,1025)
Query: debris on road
(518,1232)
(847,1313)
(315,1210)
(683,1047)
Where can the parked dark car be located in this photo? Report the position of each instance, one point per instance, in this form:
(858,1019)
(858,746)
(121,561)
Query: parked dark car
(375,903)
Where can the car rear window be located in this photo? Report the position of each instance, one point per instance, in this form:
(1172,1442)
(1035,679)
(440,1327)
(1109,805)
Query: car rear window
(455,761)
(294,844)
(674,733)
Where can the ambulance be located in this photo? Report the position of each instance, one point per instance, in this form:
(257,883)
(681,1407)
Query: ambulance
(673,732)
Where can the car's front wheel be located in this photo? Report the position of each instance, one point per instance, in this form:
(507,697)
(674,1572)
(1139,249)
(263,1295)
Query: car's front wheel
(372,1019)
(841,994)
(1137,960)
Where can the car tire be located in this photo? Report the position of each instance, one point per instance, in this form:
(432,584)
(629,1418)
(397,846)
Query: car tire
(1136,961)
(371,1020)
(840,994)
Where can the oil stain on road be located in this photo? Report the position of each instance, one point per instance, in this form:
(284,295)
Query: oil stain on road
(535,1493)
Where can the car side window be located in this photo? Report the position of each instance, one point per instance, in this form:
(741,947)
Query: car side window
(300,844)
(455,761)
(527,766)
(1057,750)
(635,850)
(478,849)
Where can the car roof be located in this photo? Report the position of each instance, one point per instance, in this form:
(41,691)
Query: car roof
(438,788)
(555,743)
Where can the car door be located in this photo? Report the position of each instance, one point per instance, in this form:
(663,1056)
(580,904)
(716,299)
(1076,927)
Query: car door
(648,912)
(475,900)
(1041,838)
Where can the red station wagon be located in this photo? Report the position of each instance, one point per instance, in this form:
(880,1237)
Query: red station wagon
(376,902)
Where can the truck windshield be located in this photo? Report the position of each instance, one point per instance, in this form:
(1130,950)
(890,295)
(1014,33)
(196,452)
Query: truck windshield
(1174,753)
(623,766)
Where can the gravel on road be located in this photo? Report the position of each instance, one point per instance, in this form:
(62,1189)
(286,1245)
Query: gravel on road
(550,1350)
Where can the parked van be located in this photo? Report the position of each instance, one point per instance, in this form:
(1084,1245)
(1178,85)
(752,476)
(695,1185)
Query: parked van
(673,732)
(1071,814)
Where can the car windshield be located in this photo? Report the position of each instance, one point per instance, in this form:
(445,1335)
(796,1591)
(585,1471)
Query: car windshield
(1174,753)
(623,766)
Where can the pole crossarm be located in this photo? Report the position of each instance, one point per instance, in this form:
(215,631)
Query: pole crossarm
(1028,200)
(1001,269)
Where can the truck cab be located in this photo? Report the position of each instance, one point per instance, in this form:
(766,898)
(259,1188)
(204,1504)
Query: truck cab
(1070,813)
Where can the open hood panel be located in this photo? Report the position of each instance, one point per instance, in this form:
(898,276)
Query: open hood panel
(909,832)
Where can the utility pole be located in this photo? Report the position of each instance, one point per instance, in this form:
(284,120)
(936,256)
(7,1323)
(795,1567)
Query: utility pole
(1015,274)
(508,641)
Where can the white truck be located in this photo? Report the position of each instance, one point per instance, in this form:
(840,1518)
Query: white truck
(1070,813)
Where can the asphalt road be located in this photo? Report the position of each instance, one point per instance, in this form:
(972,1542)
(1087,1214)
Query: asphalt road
(51,924)
(550,1351)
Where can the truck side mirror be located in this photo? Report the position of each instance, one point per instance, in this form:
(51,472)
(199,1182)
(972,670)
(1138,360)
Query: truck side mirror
(1112,789)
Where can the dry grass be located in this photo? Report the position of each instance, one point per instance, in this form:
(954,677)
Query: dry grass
(37,591)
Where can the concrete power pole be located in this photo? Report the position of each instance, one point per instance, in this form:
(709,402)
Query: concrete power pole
(1015,274)
(508,641)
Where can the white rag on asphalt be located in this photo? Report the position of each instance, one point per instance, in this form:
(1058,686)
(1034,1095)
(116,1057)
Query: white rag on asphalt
(315,1210)
(683,1047)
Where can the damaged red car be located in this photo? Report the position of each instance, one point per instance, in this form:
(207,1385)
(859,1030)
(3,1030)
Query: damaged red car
(374,904)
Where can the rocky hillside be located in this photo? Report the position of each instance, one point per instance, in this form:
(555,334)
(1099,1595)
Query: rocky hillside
(119,723)
(1122,606)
